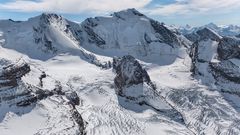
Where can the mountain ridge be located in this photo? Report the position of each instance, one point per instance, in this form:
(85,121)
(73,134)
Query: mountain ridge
(223,30)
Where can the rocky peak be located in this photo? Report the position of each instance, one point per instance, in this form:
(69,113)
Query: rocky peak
(187,26)
(211,26)
(125,14)
(207,33)
(203,34)
(49,18)
(129,72)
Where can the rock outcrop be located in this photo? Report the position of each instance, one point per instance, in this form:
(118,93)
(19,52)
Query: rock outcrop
(128,72)
(133,83)
(11,74)
(11,84)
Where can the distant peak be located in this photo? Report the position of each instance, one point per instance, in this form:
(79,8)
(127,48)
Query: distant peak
(188,26)
(207,30)
(207,33)
(211,25)
(134,11)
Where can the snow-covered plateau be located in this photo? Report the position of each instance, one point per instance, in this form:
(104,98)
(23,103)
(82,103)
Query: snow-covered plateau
(123,74)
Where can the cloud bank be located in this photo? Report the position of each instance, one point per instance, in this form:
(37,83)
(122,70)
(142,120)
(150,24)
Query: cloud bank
(72,6)
(188,7)
(177,7)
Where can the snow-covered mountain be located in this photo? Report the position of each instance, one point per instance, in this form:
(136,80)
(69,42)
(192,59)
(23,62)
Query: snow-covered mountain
(124,74)
(216,59)
(130,32)
(223,30)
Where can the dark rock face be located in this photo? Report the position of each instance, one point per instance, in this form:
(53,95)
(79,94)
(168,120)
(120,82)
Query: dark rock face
(229,47)
(135,12)
(129,72)
(91,22)
(41,38)
(93,37)
(227,70)
(11,84)
(165,35)
(43,75)
(73,98)
(16,71)
(47,18)
(12,73)
(48,44)
(79,120)
(194,55)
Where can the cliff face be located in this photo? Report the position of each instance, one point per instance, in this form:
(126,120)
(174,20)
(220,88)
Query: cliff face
(129,72)
(228,48)
(12,86)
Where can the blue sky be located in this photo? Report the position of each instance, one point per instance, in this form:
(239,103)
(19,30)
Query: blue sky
(179,12)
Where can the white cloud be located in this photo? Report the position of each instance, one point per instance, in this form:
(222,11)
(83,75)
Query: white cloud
(179,7)
(73,6)
(195,7)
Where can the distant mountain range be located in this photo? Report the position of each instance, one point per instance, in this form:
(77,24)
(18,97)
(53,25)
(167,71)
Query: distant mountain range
(226,30)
